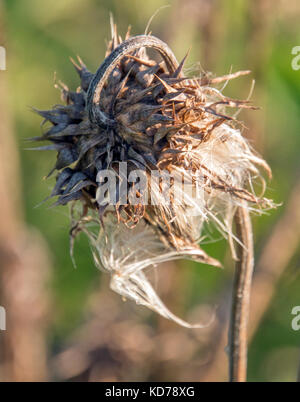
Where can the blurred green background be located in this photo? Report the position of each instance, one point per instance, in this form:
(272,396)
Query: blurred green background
(222,35)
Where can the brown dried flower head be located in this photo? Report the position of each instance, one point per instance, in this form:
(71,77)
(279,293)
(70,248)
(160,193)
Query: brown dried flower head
(147,115)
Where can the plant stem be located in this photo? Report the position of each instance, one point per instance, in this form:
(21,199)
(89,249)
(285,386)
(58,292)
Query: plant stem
(241,298)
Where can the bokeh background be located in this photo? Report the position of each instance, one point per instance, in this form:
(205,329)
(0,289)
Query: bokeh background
(64,323)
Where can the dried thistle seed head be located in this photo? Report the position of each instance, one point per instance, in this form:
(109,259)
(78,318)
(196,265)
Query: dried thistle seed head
(146,114)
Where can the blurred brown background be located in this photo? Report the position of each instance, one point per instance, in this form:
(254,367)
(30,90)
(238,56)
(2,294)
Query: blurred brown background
(64,323)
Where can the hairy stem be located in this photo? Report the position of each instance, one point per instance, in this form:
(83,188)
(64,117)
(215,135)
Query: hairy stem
(241,298)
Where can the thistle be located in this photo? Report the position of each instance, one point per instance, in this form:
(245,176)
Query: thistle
(148,115)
